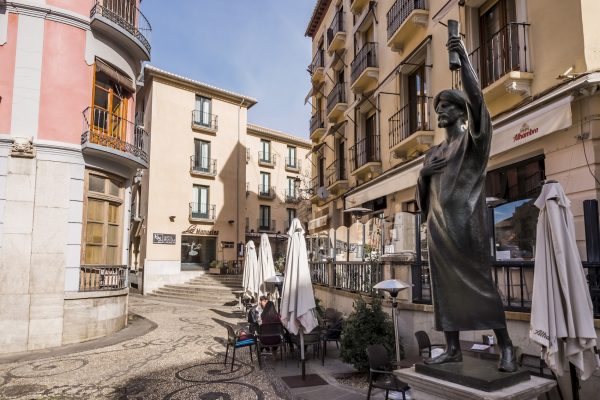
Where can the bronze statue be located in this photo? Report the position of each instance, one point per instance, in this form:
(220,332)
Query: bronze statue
(451,196)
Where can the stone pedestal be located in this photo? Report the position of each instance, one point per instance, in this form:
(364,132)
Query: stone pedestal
(425,387)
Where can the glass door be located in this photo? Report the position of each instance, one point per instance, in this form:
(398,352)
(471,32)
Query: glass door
(200,202)
(202,156)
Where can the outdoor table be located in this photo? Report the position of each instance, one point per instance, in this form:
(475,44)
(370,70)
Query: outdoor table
(491,353)
(239,294)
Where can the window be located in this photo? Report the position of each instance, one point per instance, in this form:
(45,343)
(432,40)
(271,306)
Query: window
(291,157)
(264,221)
(200,207)
(102,219)
(341,158)
(201,155)
(265,185)
(514,189)
(418,112)
(198,250)
(321,171)
(202,111)
(265,154)
(290,190)
(291,214)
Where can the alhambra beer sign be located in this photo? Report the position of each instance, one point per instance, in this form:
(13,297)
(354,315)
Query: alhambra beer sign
(524,132)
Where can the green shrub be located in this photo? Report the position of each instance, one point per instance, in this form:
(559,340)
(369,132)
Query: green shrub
(368,324)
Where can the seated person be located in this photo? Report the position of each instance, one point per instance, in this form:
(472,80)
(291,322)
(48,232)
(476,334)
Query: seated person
(270,316)
(254,314)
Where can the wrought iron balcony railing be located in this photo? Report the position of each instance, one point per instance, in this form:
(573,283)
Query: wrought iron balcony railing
(365,151)
(318,61)
(126,15)
(203,211)
(337,95)
(266,191)
(337,25)
(316,122)
(366,58)
(410,119)
(266,225)
(102,277)
(335,172)
(505,51)
(292,163)
(266,157)
(203,165)
(291,195)
(103,128)
(204,120)
(398,13)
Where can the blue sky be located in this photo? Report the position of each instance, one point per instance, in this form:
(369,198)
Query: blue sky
(253,47)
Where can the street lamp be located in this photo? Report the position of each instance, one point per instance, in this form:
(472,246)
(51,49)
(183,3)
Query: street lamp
(300,191)
(393,287)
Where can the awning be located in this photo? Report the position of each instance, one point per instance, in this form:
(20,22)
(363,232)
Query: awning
(551,118)
(314,90)
(115,75)
(317,222)
(316,148)
(334,129)
(400,180)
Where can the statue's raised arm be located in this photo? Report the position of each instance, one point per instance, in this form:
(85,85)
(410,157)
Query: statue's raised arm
(469,79)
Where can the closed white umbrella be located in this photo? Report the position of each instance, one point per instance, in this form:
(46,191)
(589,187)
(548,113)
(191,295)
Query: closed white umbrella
(250,277)
(266,266)
(298,300)
(561,309)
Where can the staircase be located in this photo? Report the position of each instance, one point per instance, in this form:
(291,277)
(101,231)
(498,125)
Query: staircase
(211,290)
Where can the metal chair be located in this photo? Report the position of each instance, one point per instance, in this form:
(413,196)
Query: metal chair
(332,333)
(235,342)
(537,366)
(425,344)
(381,374)
(271,335)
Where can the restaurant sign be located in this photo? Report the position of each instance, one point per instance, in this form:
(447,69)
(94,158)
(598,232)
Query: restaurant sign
(197,230)
(163,238)
(524,132)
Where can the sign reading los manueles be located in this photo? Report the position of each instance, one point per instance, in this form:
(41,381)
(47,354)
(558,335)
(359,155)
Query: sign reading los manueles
(196,230)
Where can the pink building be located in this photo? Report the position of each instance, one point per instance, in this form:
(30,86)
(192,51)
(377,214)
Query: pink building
(70,151)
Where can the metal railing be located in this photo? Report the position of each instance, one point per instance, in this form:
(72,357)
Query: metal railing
(127,16)
(398,13)
(505,51)
(365,151)
(365,58)
(102,277)
(337,95)
(203,211)
(266,191)
(314,185)
(204,119)
(110,130)
(316,122)
(410,119)
(292,163)
(318,61)
(319,273)
(336,171)
(203,165)
(337,25)
(357,276)
(266,157)
(263,225)
(291,195)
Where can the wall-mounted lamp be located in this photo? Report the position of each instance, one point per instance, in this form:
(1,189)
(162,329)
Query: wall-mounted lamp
(231,221)
(172,218)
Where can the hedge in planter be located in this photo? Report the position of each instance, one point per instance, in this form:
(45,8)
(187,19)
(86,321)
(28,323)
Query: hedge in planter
(368,324)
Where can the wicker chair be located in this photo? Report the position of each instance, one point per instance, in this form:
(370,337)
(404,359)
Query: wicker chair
(425,344)
(381,374)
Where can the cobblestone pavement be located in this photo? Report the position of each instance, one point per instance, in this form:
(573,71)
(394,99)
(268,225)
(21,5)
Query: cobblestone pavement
(181,359)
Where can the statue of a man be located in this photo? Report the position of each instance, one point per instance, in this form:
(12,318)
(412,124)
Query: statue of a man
(451,196)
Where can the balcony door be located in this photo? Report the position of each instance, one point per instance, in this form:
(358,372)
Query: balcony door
(264,218)
(341,159)
(202,155)
(266,151)
(202,111)
(109,111)
(265,185)
(370,137)
(497,39)
(417,100)
(291,161)
(200,202)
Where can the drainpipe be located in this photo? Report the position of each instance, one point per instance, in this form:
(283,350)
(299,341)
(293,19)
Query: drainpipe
(237,182)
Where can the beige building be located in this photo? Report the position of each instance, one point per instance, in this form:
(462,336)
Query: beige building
(376,66)
(214,181)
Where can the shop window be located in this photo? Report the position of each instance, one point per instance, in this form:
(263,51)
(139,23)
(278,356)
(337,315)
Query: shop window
(198,250)
(512,191)
(102,231)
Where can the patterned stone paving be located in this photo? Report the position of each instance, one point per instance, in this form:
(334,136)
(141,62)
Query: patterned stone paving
(181,359)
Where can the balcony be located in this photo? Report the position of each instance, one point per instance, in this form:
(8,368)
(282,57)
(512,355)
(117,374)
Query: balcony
(266,159)
(365,158)
(203,166)
(266,225)
(405,20)
(357,6)
(266,192)
(336,36)
(102,277)
(317,127)
(336,102)
(502,64)
(111,137)
(204,121)
(410,129)
(203,213)
(292,164)
(365,69)
(337,181)
(291,195)
(314,186)
(316,69)
(125,24)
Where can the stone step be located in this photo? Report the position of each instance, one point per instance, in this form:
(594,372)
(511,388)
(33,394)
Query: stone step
(205,287)
(203,278)
(212,302)
(212,292)
(196,297)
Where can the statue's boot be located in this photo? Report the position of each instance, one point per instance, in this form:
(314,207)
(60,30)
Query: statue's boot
(445,357)
(508,359)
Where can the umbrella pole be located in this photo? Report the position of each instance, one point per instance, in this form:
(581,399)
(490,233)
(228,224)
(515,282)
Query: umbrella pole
(302,353)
